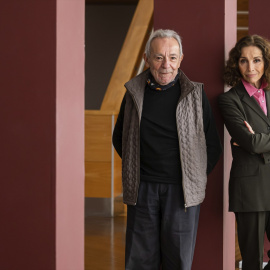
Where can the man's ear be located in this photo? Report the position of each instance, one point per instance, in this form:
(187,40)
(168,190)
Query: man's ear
(146,60)
(180,61)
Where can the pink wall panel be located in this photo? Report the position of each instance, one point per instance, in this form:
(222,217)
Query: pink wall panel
(228,217)
(70,135)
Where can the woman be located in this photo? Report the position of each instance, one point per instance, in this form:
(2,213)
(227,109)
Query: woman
(246,112)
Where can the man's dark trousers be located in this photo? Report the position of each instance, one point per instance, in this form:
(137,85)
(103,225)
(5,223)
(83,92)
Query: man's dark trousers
(160,231)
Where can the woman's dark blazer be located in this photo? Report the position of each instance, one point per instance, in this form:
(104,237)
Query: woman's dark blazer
(249,185)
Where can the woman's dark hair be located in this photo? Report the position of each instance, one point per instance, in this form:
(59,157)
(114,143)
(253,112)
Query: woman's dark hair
(232,74)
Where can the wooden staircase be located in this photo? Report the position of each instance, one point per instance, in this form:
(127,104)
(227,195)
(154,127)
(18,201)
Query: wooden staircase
(103,182)
(242,18)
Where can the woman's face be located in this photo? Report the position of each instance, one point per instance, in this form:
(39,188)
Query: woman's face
(251,65)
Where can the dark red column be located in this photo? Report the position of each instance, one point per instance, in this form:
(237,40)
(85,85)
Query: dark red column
(206,34)
(259,22)
(41,155)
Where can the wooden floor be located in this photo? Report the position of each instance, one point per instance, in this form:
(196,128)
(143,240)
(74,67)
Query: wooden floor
(105,243)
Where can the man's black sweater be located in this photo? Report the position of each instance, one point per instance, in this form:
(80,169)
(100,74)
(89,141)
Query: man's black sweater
(159,149)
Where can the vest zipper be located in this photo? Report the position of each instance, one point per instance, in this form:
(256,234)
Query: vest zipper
(138,159)
(185,205)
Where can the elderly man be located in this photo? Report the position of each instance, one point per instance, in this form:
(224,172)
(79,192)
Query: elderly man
(167,139)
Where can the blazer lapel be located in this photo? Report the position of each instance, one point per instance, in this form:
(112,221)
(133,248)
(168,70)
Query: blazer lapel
(252,103)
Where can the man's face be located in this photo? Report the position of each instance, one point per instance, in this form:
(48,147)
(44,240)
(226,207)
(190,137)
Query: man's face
(164,59)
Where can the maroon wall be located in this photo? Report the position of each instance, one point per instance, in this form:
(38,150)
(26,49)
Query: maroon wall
(201,26)
(28,37)
(33,142)
(259,9)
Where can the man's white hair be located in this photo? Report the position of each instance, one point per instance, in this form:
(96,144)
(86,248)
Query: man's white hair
(161,33)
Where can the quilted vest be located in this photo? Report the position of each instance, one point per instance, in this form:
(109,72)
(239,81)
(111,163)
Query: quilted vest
(192,143)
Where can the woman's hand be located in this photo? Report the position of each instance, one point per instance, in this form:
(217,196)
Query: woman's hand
(249,129)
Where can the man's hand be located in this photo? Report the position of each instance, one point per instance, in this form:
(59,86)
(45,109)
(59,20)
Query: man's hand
(249,129)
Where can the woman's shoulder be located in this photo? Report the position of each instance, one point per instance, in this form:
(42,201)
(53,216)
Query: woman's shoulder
(233,95)
(228,93)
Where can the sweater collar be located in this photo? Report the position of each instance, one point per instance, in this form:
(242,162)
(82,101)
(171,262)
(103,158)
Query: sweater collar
(155,86)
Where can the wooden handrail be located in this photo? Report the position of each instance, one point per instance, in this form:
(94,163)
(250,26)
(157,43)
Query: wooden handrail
(130,56)
(99,112)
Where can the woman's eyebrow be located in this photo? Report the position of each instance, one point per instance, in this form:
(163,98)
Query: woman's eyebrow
(253,57)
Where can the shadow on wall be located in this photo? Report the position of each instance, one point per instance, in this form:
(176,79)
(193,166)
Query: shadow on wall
(106,27)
